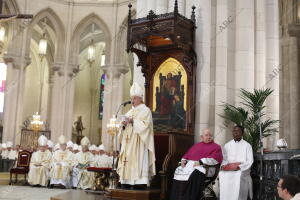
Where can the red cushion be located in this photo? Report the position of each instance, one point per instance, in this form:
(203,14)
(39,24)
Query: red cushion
(19,170)
(99,169)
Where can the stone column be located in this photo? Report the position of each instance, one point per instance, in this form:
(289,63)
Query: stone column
(244,47)
(151,5)
(272,66)
(69,90)
(203,50)
(13,102)
(222,23)
(56,120)
(181,6)
(292,115)
(112,98)
(260,44)
(142,11)
(161,6)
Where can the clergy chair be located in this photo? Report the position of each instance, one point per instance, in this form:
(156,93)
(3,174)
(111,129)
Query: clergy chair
(22,166)
(212,172)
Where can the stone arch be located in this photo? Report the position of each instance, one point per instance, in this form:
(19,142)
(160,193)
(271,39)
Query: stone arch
(12,8)
(58,28)
(75,44)
(123,57)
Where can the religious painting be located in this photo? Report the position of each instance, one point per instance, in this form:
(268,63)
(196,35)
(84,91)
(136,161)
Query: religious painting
(169,96)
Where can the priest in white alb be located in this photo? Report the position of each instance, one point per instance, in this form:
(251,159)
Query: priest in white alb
(136,163)
(82,178)
(40,164)
(234,177)
(61,165)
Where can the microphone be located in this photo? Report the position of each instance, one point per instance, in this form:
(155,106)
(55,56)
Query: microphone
(126,102)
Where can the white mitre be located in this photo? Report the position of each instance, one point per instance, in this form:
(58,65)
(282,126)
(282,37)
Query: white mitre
(85,141)
(70,144)
(102,147)
(50,144)
(42,141)
(75,147)
(62,139)
(4,146)
(56,147)
(136,90)
(92,147)
(9,144)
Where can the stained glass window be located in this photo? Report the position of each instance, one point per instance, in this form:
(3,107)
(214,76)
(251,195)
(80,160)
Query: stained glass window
(102,85)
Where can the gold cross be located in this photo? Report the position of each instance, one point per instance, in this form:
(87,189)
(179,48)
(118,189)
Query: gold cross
(126,140)
(125,162)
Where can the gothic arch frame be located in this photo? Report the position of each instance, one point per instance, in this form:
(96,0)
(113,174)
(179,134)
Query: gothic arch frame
(13,8)
(121,43)
(59,29)
(83,23)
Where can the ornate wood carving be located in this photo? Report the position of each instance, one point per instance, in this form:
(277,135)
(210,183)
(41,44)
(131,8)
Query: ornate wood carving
(275,165)
(156,39)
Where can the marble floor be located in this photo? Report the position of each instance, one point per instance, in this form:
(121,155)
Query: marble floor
(8,192)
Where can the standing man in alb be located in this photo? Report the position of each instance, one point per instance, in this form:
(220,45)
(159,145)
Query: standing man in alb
(235,179)
(136,163)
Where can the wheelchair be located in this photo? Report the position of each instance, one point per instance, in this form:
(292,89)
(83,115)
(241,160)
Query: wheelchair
(212,172)
(209,193)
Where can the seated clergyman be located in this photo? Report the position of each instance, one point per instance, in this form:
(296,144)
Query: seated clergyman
(192,171)
(40,164)
(61,165)
(82,178)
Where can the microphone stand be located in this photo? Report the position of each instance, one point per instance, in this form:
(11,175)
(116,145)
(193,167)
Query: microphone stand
(114,169)
(261,156)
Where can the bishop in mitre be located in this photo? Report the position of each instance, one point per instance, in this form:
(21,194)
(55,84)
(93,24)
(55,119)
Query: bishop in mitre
(102,159)
(61,165)
(82,178)
(136,163)
(40,164)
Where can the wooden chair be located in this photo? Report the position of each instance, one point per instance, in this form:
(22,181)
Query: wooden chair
(22,166)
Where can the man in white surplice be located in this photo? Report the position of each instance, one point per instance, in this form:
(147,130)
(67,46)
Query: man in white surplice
(235,180)
(137,157)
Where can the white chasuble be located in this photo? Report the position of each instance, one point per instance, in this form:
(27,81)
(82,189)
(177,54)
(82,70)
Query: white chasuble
(236,185)
(84,179)
(39,168)
(136,163)
(61,167)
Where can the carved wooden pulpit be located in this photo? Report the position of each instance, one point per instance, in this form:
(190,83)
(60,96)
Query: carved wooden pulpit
(164,45)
